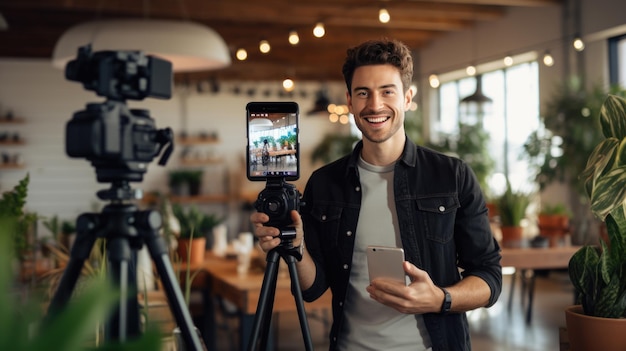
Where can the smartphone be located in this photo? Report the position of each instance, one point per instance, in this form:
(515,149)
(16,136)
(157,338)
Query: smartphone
(273,140)
(386,262)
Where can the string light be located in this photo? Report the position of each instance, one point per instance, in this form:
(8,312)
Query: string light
(241,54)
(319,30)
(508,61)
(383,15)
(579,44)
(264,46)
(470,70)
(433,79)
(294,39)
(288,85)
(548,60)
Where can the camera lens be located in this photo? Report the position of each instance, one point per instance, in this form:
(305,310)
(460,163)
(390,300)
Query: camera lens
(273,206)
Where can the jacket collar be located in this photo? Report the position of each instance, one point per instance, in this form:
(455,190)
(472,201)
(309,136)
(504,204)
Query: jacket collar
(409,155)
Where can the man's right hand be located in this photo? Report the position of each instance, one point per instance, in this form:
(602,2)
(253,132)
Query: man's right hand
(269,236)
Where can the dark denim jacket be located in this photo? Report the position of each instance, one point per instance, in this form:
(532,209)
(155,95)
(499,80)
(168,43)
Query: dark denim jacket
(443,223)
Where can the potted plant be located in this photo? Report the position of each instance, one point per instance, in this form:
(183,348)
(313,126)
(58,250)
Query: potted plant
(512,207)
(598,273)
(553,222)
(195,227)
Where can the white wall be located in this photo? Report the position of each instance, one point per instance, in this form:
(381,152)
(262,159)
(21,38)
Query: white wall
(63,186)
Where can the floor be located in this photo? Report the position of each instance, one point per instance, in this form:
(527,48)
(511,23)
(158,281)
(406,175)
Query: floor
(492,329)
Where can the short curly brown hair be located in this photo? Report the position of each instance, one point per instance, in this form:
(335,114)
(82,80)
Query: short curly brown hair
(379,52)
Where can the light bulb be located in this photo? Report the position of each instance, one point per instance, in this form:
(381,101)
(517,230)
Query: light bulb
(294,39)
(241,54)
(264,46)
(548,60)
(288,85)
(383,16)
(578,44)
(470,70)
(434,81)
(508,61)
(319,30)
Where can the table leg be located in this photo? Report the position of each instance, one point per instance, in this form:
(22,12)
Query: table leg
(531,294)
(512,290)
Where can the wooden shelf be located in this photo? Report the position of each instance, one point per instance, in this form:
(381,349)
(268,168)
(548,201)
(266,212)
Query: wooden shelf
(193,199)
(201,162)
(12,143)
(11,166)
(15,120)
(197,140)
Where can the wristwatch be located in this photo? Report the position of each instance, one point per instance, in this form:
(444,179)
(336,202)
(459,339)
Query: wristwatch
(447,301)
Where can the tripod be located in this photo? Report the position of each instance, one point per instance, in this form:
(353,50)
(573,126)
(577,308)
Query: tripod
(126,230)
(263,314)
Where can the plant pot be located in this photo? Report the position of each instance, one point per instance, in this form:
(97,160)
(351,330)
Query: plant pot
(553,227)
(511,236)
(594,333)
(194,255)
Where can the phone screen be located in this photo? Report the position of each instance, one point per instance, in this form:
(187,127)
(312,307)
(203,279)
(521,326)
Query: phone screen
(273,140)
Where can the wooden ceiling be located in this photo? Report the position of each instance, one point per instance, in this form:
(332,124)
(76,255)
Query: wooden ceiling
(35,25)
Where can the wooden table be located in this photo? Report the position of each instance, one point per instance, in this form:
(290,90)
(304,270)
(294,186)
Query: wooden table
(219,277)
(527,258)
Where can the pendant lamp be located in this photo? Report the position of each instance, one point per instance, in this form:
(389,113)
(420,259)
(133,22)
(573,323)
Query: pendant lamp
(321,103)
(188,45)
(477,103)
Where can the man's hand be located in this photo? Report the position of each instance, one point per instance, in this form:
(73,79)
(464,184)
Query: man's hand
(269,236)
(421,296)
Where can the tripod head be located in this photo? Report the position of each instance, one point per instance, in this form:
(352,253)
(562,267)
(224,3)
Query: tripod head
(119,141)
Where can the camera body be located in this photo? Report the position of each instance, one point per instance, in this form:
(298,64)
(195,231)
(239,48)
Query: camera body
(277,200)
(120,142)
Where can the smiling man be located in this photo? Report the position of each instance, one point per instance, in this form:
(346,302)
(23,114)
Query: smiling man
(390,192)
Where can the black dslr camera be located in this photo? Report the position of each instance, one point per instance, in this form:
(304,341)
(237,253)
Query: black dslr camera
(277,200)
(120,142)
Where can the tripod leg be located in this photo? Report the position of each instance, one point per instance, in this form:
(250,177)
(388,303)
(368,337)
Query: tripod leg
(159,252)
(78,255)
(125,320)
(266,300)
(297,293)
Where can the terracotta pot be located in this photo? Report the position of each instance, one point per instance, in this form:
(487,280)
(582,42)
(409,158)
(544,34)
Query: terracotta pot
(196,254)
(511,236)
(554,227)
(594,333)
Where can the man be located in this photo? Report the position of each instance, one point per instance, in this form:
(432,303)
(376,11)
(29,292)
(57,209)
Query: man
(390,192)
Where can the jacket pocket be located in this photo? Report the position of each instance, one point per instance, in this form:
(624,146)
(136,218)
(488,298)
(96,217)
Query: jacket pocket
(437,215)
(326,219)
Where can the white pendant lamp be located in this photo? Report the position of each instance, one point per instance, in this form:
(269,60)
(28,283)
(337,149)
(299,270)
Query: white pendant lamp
(189,46)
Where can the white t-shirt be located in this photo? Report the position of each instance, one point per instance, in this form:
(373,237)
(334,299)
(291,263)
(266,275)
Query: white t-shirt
(369,325)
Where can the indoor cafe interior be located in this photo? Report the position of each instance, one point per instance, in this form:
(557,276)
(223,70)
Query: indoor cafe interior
(127,154)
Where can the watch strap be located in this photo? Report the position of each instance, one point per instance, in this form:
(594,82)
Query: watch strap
(447,301)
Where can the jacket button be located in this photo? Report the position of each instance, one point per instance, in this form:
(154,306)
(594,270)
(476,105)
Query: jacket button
(345,266)
(442,208)
(358,188)
(341,304)
(323,217)
(349,233)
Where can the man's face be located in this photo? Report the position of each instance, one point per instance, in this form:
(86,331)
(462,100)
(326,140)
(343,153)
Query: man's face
(378,102)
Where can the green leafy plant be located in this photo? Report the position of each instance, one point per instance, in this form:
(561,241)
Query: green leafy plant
(512,207)
(555,209)
(70,329)
(194,222)
(12,206)
(599,273)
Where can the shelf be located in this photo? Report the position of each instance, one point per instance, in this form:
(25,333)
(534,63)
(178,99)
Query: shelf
(201,162)
(193,199)
(12,143)
(197,140)
(11,166)
(15,120)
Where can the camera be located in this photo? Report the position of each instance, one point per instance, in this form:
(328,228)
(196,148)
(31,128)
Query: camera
(277,200)
(119,141)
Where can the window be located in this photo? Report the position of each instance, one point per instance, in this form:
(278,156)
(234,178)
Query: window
(617,60)
(513,115)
